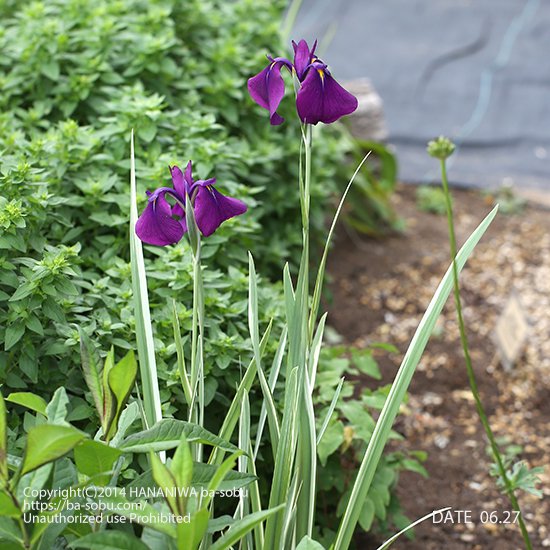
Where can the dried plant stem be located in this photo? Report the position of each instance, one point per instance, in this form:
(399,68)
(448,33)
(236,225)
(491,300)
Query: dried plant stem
(471,375)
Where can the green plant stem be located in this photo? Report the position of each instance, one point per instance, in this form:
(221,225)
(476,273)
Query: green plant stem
(307,448)
(197,365)
(471,375)
(20,521)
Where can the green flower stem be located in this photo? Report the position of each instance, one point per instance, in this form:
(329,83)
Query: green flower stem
(471,375)
(197,363)
(307,448)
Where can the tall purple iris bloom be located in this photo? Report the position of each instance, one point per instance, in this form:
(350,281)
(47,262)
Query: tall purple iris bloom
(162,224)
(319,99)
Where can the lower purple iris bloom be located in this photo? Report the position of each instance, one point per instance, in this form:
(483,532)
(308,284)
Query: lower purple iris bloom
(162,223)
(319,99)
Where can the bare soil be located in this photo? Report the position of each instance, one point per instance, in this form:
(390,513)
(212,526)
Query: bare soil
(380,290)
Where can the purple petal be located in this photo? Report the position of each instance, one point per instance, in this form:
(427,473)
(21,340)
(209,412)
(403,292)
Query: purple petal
(267,89)
(178,181)
(212,208)
(189,174)
(322,99)
(156,224)
(302,57)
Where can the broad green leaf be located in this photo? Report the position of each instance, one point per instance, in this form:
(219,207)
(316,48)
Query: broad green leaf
(167,433)
(399,389)
(30,483)
(189,535)
(7,507)
(308,543)
(121,380)
(109,540)
(29,400)
(202,476)
(94,457)
(56,411)
(47,443)
(91,368)
(10,533)
(241,527)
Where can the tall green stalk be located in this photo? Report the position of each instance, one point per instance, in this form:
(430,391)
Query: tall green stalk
(196,409)
(441,149)
(307,446)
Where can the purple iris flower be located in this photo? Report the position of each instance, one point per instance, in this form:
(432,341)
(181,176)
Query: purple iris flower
(162,223)
(319,99)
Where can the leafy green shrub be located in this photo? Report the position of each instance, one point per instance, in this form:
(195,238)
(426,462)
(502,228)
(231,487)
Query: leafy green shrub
(76,77)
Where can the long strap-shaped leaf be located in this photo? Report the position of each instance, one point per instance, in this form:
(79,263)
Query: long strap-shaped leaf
(144,332)
(398,390)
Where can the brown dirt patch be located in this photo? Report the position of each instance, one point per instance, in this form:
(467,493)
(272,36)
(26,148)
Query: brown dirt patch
(380,289)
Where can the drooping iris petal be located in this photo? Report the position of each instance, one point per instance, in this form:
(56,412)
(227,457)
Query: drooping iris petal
(156,224)
(267,89)
(212,208)
(322,99)
(303,56)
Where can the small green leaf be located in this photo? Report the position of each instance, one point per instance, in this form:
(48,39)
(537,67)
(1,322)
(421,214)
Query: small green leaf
(182,464)
(166,481)
(92,371)
(366,517)
(14,333)
(121,378)
(47,443)
(29,400)
(331,440)
(56,411)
